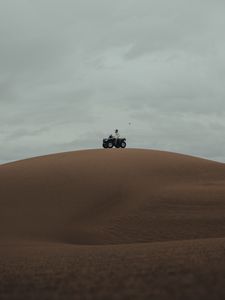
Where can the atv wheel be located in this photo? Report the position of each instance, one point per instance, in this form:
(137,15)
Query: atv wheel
(110,145)
(105,146)
(123,145)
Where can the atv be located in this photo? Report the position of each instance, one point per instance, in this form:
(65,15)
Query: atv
(111,142)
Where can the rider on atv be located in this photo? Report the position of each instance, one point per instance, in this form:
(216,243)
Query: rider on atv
(116,135)
(114,140)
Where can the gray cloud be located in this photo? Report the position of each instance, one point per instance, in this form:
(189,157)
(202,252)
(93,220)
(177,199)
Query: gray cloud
(72,71)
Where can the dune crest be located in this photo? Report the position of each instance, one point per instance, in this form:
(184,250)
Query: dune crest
(112,197)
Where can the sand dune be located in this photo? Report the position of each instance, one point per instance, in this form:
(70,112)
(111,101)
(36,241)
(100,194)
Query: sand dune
(130,210)
(118,196)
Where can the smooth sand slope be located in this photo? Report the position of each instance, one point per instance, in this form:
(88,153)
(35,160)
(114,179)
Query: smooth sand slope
(112,224)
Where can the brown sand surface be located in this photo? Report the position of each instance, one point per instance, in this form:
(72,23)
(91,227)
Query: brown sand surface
(117,224)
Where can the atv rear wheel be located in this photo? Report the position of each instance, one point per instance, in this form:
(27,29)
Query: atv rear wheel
(123,145)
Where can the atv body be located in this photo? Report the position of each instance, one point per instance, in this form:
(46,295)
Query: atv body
(111,142)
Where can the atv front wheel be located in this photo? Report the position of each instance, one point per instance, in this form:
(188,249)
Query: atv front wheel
(110,145)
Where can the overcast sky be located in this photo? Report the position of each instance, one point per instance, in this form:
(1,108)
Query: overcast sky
(71,71)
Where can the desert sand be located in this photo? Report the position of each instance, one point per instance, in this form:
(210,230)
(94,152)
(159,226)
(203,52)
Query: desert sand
(112,224)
